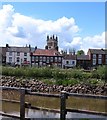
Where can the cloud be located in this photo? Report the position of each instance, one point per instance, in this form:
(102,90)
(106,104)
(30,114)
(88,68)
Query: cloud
(18,30)
(97,41)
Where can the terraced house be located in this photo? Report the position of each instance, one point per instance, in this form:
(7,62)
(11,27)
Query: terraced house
(48,56)
(18,55)
(97,57)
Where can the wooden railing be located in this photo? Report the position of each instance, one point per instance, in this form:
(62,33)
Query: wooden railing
(63,96)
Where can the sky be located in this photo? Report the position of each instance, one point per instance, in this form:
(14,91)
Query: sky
(78,25)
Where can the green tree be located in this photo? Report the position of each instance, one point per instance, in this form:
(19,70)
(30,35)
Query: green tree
(80,52)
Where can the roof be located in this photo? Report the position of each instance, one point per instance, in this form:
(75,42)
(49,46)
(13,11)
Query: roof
(3,51)
(46,52)
(18,49)
(97,51)
(69,57)
(83,57)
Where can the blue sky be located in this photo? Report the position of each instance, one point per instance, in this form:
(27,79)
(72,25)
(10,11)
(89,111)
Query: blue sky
(88,16)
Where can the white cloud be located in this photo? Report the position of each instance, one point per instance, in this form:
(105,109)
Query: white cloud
(97,41)
(17,29)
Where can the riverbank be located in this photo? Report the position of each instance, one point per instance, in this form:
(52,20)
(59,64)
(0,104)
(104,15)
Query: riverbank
(36,85)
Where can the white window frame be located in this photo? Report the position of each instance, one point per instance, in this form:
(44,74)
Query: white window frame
(10,53)
(94,61)
(100,61)
(94,56)
(10,59)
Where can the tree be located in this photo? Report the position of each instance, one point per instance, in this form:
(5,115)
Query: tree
(80,52)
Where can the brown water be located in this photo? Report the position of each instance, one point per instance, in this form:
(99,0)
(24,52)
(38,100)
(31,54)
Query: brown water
(72,102)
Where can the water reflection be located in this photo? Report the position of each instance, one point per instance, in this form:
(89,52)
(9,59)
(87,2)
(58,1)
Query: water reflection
(43,114)
(72,102)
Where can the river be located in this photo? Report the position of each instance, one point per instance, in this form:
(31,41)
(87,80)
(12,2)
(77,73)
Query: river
(53,103)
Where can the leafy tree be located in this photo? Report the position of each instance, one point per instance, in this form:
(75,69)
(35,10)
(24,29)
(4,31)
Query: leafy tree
(80,52)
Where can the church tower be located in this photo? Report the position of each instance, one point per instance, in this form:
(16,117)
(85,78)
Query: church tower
(52,43)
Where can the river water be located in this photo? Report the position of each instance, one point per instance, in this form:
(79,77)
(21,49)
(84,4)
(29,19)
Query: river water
(53,103)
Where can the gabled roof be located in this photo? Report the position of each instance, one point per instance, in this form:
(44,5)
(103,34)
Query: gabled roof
(97,51)
(46,52)
(83,57)
(18,49)
(70,57)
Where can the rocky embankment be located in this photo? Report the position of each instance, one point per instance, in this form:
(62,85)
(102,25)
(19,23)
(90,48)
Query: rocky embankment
(38,86)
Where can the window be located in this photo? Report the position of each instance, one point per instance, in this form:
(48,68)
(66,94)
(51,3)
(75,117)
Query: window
(47,59)
(32,58)
(59,59)
(25,54)
(40,58)
(25,59)
(99,56)
(36,58)
(18,59)
(44,58)
(10,53)
(106,60)
(51,59)
(94,61)
(67,62)
(18,53)
(44,64)
(94,56)
(55,59)
(10,59)
(99,61)
(73,62)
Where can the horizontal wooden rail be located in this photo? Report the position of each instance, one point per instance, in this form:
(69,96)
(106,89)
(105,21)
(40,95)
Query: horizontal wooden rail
(14,101)
(9,115)
(63,96)
(13,88)
(87,96)
(43,94)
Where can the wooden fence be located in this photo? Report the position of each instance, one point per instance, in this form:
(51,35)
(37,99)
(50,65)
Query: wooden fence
(63,96)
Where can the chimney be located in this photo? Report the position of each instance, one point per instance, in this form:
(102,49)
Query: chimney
(46,47)
(47,37)
(53,37)
(35,47)
(7,45)
(56,38)
(29,46)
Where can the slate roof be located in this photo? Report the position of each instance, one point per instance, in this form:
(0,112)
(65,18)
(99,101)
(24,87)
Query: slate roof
(83,57)
(18,49)
(70,57)
(97,51)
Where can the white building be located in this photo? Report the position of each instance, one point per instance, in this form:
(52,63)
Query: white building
(69,61)
(18,55)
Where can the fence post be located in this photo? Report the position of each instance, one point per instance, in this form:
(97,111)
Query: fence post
(63,105)
(22,104)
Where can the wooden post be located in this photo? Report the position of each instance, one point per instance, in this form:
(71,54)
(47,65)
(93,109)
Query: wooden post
(22,104)
(63,105)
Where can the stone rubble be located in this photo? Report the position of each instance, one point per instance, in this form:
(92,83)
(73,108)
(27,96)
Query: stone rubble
(38,86)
